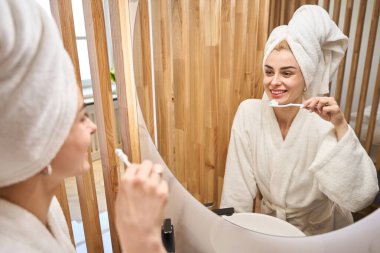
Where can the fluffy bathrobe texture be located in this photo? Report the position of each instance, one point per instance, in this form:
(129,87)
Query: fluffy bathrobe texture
(21,231)
(308,179)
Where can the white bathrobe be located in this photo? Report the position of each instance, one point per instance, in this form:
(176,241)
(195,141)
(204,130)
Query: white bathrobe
(21,231)
(309,179)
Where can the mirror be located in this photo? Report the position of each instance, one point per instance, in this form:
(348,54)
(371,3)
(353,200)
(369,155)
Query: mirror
(203,66)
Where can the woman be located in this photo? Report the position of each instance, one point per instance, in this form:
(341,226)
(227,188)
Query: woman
(309,167)
(44,137)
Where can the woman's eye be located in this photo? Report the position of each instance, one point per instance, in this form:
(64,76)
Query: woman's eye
(85,116)
(268,73)
(287,74)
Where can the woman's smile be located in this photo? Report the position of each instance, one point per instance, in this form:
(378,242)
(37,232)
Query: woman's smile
(277,93)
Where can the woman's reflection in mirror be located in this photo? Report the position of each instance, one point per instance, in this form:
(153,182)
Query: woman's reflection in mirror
(306,162)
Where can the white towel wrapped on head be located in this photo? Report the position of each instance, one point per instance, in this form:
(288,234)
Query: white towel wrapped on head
(317,44)
(38,93)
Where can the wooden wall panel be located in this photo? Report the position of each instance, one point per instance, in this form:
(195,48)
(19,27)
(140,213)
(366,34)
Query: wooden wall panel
(163,72)
(142,65)
(205,58)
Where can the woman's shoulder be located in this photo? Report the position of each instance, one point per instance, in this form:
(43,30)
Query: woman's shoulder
(252,102)
(248,113)
(249,106)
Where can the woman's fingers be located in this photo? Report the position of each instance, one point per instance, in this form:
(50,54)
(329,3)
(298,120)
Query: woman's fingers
(139,206)
(327,108)
(316,104)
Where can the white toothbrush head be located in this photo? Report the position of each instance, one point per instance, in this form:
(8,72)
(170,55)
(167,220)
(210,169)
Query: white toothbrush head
(273,103)
(123,157)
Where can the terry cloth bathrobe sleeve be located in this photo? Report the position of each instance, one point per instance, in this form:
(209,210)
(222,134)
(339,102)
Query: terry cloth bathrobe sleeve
(344,171)
(22,232)
(239,186)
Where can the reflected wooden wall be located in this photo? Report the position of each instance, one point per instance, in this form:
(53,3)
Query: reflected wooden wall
(207,58)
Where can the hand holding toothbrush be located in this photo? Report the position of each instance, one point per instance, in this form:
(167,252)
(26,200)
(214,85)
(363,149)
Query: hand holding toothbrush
(139,207)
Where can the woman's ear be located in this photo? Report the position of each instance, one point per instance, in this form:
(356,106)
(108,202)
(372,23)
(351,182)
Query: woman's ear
(47,171)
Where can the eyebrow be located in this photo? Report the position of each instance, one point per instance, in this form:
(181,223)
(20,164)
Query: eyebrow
(286,67)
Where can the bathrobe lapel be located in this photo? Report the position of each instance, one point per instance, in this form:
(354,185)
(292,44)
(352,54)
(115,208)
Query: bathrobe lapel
(23,232)
(281,156)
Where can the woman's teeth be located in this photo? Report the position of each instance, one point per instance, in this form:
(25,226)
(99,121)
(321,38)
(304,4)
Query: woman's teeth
(278,91)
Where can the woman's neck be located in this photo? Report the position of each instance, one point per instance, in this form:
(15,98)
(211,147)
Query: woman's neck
(33,195)
(285,117)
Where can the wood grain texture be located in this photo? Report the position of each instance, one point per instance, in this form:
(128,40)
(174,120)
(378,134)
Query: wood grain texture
(62,199)
(355,60)
(62,13)
(100,76)
(163,73)
(143,65)
(326,5)
(372,118)
(206,62)
(336,11)
(342,66)
(367,68)
(126,89)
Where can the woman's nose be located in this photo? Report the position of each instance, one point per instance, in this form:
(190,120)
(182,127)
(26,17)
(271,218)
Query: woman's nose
(92,127)
(276,79)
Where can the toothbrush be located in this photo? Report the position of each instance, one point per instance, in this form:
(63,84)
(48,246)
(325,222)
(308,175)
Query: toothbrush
(274,103)
(122,157)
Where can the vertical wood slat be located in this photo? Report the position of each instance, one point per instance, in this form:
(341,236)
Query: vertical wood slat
(378,161)
(62,199)
(252,74)
(336,11)
(163,79)
(89,210)
(355,59)
(239,56)
(372,118)
(261,38)
(275,14)
(224,89)
(196,99)
(126,89)
(312,2)
(62,12)
(283,16)
(211,21)
(303,2)
(181,77)
(143,65)
(97,48)
(326,5)
(367,68)
(342,66)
